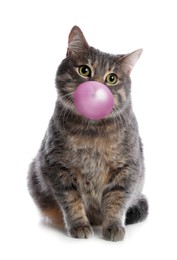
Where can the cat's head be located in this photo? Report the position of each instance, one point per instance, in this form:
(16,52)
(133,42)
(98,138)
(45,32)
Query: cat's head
(84,63)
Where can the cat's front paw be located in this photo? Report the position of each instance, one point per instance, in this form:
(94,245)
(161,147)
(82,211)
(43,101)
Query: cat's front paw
(113,232)
(84,231)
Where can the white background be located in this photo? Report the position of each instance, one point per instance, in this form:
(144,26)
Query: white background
(33,41)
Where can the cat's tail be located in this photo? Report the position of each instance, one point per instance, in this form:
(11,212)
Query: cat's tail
(52,217)
(137,212)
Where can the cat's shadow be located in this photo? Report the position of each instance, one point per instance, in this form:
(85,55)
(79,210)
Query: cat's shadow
(52,226)
(97,231)
(61,229)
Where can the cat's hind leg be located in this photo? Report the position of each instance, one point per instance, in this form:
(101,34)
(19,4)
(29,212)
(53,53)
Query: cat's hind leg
(137,212)
(50,211)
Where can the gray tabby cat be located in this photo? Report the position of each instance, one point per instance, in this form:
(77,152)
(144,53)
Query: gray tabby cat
(91,172)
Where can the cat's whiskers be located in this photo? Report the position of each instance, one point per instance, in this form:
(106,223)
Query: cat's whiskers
(91,172)
(117,115)
(61,96)
(66,104)
(63,111)
(67,109)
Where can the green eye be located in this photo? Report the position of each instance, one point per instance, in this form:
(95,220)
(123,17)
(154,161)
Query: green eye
(84,71)
(111,79)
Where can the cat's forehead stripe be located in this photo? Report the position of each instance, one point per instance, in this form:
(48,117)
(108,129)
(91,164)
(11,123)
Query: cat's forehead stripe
(106,66)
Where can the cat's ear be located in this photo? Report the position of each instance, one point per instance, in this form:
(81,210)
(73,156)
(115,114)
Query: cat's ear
(128,61)
(77,43)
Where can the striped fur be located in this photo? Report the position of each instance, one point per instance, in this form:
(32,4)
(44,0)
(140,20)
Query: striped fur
(91,172)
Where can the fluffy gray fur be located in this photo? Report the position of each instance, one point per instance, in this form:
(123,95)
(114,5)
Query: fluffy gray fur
(91,172)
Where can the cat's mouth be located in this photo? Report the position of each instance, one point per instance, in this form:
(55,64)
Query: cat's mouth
(68,104)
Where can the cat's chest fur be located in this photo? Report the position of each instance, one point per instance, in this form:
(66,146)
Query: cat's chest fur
(92,159)
(93,155)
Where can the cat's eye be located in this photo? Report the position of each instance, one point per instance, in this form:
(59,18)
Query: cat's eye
(85,71)
(111,79)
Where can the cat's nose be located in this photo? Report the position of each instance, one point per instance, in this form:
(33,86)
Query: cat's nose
(98,79)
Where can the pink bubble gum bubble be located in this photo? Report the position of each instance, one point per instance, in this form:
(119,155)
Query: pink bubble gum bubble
(93,100)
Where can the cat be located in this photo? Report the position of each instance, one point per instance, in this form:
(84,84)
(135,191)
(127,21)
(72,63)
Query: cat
(91,172)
